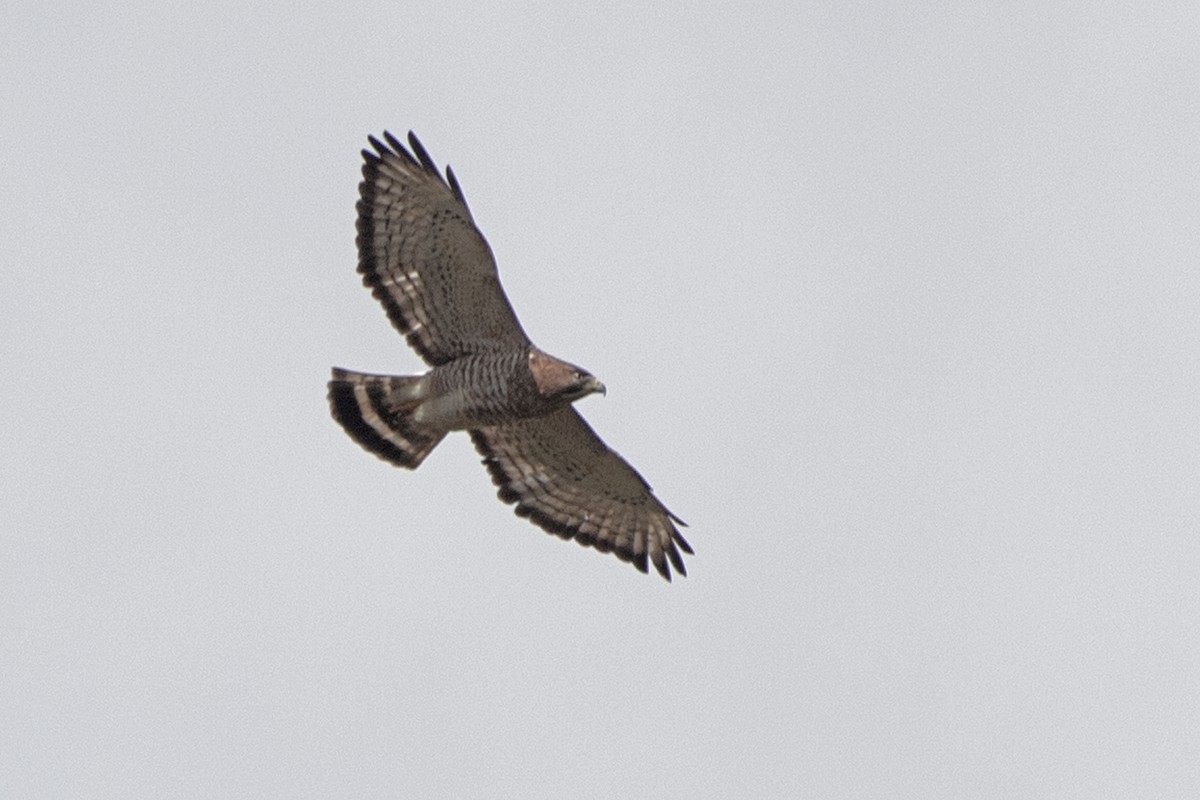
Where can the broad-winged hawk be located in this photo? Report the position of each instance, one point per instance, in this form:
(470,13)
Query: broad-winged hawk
(426,262)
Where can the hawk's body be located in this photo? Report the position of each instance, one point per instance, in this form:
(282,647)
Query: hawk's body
(424,259)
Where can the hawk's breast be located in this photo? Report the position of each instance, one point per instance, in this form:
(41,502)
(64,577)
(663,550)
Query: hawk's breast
(480,390)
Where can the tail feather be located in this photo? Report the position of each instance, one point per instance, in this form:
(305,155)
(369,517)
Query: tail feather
(375,411)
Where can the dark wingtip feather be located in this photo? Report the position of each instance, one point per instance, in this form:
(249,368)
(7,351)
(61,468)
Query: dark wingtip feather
(660,564)
(393,142)
(454,187)
(676,561)
(422,154)
(682,542)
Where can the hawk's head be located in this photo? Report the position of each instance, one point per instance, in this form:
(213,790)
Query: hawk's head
(558,380)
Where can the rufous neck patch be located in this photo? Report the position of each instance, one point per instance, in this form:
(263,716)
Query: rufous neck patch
(550,374)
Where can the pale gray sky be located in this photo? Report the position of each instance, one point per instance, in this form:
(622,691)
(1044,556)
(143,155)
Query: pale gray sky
(898,307)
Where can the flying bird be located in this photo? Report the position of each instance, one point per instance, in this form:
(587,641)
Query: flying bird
(423,258)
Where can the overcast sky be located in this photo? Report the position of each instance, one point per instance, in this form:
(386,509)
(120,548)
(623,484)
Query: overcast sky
(898,307)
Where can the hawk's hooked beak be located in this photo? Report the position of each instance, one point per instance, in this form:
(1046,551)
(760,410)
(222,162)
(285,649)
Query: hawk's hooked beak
(596,386)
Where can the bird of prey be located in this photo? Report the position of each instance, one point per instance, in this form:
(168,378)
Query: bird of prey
(423,258)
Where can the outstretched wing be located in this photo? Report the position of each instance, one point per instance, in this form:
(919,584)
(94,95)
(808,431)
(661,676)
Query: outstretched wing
(423,258)
(565,479)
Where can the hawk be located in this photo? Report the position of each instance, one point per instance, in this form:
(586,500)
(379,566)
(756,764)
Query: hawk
(423,258)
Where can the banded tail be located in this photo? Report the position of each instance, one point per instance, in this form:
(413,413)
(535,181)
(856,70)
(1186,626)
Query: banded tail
(375,409)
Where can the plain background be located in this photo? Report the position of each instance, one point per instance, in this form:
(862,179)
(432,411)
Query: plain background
(897,304)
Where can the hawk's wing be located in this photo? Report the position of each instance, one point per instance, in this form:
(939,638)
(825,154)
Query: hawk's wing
(423,258)
(564,478)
